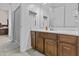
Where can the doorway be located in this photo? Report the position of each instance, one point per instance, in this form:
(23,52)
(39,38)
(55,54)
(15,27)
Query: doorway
(16,27)
(4,29)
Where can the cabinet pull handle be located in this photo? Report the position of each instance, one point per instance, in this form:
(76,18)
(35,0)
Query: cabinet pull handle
(52,42)
(66,48)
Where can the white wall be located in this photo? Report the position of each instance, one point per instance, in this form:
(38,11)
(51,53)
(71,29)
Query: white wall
(27,23)
(25,28)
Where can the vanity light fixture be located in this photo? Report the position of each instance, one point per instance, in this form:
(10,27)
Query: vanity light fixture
(45,17)
(32,13)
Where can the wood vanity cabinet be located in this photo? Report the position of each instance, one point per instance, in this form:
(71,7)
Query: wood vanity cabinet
(67,45)
(52,44)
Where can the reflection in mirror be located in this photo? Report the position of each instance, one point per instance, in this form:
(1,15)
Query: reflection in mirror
(61,17)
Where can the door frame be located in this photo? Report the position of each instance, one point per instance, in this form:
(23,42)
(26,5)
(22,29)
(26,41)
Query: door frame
(14,24)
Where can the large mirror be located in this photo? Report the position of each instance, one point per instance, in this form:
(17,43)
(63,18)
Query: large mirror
(63,16)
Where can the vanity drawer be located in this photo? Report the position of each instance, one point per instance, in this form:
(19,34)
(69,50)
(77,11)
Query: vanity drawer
(67,38)
(48,35)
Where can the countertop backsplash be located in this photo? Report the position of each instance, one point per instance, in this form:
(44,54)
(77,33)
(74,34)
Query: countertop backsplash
(63,29)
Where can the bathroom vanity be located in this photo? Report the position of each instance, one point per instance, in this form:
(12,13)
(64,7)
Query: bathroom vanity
(54,43)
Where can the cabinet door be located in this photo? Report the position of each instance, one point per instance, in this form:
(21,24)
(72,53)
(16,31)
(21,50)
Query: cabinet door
(33,39)
(39,42)
(50,47)
(66,49)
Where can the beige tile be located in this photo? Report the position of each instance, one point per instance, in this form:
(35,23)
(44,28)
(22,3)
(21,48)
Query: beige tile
(6,48)
(4,39)
(33,52)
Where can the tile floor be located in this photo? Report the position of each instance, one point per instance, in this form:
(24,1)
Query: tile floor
(17,52)
(33,52)
(4,39)
(7,48)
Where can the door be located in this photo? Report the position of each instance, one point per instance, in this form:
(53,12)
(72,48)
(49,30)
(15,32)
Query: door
(50,47)
(39,42)
(65,49)
(17,25)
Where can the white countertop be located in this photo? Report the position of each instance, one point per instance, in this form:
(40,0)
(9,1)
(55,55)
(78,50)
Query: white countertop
(58,32)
